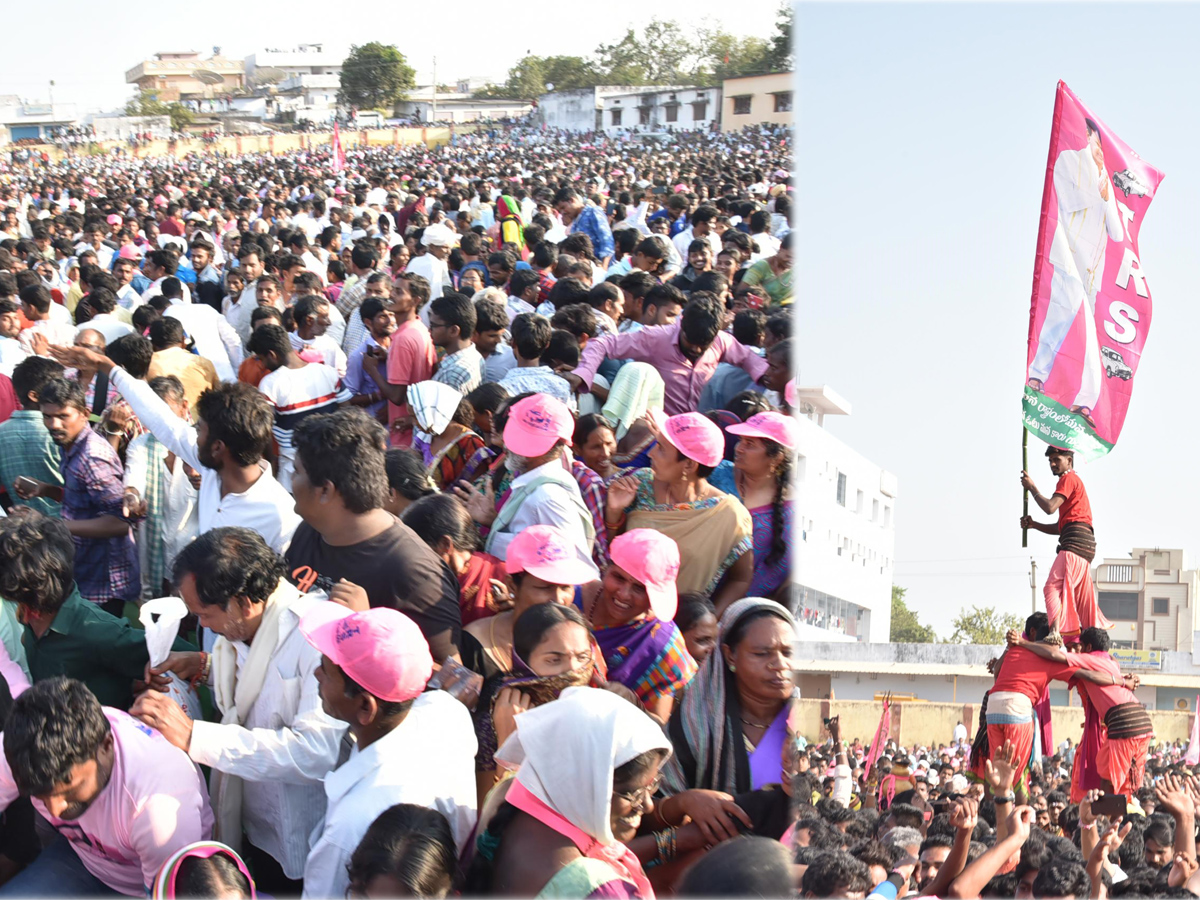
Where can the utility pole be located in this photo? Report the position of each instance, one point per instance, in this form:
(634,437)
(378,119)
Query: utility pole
(51,97)
(1033,582)
(433,115)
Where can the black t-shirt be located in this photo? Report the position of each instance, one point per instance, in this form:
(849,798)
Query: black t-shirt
(396,568)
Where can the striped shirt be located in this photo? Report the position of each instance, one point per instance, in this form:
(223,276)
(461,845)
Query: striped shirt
(297,394)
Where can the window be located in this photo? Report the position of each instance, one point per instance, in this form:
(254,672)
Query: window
(874,510)
(841,489)
(643,115)
(1120,574)
(783,101)
(887,517)
(741,105)
(858,502)
(1160,606)
(673,112)
(616,116)
(1121,605)
(700,111)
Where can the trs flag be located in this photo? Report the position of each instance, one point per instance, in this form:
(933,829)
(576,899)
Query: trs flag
(1091,306)
(1193,751)
(339,158)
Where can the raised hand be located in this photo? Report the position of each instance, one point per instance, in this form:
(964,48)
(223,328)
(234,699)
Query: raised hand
(1001,768)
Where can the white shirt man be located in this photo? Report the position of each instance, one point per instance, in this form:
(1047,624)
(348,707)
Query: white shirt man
(266,507)
(156,288)
(108,325)
(1087,218)
(556,502)
(428,760)
(326,347)
(239,313)
(215,339)
(684,239)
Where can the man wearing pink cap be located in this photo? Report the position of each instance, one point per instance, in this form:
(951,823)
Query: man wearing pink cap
(410,747)
(536,437)
(673,496)
(631,616)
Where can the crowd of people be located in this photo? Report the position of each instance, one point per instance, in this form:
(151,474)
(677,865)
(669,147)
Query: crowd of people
(464,473)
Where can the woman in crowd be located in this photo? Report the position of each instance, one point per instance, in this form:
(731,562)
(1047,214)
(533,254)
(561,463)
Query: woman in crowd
(771,276)
(203,869)
(588,768)
(443,523)
(637,389)
(407,479)
(712,529)
(729,730)
(407,852)
(697,619)
(763,463)
(741,407)
(594,445)
(447,417)
(545,568)
(631,612)
(552,651)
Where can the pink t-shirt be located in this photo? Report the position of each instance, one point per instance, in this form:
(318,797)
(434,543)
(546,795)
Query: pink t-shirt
(411,358)
(1103,696)
(154,804)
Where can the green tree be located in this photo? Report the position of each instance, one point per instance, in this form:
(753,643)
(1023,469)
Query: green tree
(906,627)
(723,55)
(982,625)
(375,76)
(146,103)
(660,53)
(779,58)
(529,77)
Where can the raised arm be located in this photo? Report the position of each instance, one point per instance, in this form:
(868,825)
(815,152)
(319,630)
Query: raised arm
(1014,638)
(977,874)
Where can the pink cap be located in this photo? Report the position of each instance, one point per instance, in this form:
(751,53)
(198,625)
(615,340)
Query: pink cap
(160,200)
(545,552)
(652,558)
(789,393)
(695,436)
(770,425)
(536,424)
(114,219)
(129,251)
(381,649)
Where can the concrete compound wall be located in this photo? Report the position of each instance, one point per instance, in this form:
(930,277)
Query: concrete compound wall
(933,723)
(276,143)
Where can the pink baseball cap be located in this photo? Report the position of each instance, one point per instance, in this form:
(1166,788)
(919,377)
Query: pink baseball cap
(695,436)
(773,426)
(652,558)
(545,552)
(129,251)
(536,424)
(114,219)
(381,649)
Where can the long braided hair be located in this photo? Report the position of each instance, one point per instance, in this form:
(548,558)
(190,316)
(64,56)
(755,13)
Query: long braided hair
(779,544)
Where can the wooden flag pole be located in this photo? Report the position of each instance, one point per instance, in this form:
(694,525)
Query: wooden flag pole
(1025,468)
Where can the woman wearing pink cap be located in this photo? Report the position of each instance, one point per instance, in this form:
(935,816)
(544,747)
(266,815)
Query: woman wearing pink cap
(762,469)
(632,612)
(545,567)
(712,529)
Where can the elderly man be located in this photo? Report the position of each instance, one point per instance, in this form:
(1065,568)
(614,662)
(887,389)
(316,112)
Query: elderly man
(438,241)
(274,744)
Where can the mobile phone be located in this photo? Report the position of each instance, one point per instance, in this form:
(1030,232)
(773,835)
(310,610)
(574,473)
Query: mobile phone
(1111,805)
(24,482)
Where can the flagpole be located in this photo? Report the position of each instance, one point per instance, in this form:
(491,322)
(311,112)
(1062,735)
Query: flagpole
(1025,468)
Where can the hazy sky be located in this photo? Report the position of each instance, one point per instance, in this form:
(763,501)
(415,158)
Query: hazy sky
(86,49)
(921,152)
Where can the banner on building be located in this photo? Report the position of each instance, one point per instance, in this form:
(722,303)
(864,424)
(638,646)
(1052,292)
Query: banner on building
(1137,659)
(1091,303)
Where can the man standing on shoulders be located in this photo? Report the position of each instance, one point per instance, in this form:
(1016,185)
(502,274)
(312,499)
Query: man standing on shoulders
(1070,594)
(273,745)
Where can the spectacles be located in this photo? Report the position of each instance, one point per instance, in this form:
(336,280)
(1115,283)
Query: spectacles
(641,797)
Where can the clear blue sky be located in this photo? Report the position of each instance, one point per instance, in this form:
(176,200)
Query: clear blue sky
(922,139)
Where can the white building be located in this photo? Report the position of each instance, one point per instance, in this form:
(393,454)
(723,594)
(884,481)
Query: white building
(304,59)
(1152,598)
(22,120)
(308,97)
(664,109)
(845,532)
(582,109)
(457,106)
(120,127)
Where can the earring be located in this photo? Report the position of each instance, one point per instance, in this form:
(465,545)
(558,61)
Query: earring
(732,667)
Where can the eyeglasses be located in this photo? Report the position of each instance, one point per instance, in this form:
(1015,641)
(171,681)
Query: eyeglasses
(641,797)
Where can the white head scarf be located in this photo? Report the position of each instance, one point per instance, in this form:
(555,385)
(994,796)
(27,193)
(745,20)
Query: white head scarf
(434,405)
(568,749)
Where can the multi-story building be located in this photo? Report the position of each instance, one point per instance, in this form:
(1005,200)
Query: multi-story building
(757,100)
(276,64)
(1151,597)
(583,109)
(845,532)
(666,109)
(183,76)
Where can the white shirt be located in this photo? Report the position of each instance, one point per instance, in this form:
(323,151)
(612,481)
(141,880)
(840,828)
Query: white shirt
(239,313)
(312,264)
(177,512)
(284,748)
(337,325)
(331,352)
(500,363)
(59,334)
(11,353)
(156,288)
(108,325)
(548,504)
(266,507)
(684,239)
(128,297)
(435,271)
(216,340)
(428,760)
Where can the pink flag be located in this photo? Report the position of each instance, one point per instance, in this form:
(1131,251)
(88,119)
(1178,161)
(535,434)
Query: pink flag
(1193,751)
(1091,306)
(339,158)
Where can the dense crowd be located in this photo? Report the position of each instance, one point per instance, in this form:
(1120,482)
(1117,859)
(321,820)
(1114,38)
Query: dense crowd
(407,523)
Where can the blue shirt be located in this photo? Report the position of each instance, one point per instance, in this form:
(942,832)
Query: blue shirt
(677,225)
(358,381)
(594,223)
